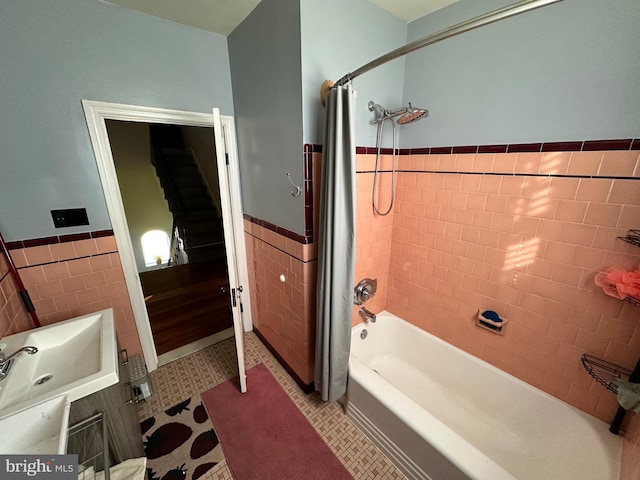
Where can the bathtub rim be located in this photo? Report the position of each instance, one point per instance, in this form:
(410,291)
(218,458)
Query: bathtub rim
(458,451)
(386,314)
(398,397)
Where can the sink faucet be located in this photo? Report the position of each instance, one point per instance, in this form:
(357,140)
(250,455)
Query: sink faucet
(5,362)
(367,315)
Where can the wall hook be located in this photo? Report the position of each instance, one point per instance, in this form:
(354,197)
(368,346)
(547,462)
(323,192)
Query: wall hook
(297,191)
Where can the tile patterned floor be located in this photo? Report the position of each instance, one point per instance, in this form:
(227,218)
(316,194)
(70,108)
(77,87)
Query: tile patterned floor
(202,370)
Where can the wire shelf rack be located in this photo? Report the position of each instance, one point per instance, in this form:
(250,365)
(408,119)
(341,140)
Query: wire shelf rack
(88,439)
(604,372)
(632,237)
(632,300)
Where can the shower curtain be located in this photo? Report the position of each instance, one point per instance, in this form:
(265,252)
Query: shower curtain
(336,245)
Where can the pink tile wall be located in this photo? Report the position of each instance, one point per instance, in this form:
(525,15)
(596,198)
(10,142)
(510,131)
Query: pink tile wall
(14,318)
(373,233)
(66,280)
(525,246)
(283,312)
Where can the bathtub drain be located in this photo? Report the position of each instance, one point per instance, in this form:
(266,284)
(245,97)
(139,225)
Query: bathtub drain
(363,334)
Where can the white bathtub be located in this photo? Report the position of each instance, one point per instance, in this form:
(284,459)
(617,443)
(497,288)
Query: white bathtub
(439,413)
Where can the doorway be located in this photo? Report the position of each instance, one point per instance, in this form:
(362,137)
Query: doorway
(169,186)
(96,114)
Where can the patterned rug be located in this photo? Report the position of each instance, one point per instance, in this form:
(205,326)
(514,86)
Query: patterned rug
(180,443)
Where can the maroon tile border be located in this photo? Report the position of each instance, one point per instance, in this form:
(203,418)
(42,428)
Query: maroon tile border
(492,148)
(14,245)
(524,147)
(467,149)
(562,146)
(74,237)
(308,151)
(101,233)
(572,146)
(38,242)
(440,150)
(304,239)
(608,145)
(419,151)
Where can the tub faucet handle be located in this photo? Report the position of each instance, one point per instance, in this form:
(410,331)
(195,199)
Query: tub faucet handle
(364,290)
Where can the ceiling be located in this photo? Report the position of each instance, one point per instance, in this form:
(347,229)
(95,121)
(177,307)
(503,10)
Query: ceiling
(222,16)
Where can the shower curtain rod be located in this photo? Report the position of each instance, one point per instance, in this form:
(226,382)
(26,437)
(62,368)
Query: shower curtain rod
(480,21)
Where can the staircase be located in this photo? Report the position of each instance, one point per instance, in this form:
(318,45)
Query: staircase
(195,216)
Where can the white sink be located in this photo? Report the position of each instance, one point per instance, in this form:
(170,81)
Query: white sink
(76,357)
(38,429)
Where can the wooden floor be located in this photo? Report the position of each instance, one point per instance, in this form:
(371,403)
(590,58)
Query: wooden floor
(185,303)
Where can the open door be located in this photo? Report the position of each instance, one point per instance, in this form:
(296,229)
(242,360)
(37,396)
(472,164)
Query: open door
(231,239)
(96,114)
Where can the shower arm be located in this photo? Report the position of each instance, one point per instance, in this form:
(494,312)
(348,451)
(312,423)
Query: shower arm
(462,27)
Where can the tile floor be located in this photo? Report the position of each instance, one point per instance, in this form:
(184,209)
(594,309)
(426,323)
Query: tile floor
(206,368)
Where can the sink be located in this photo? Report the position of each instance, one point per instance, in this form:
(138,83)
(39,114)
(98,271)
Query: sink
(37,429)
(76,357)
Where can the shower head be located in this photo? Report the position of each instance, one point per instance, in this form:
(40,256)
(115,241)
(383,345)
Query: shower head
(402,115)
(412,114)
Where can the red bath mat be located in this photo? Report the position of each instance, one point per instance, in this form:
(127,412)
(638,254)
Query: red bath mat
(264,435)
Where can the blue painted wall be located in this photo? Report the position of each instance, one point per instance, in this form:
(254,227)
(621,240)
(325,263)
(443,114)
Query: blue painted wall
(339,36)
(565,72)
(568,71)
(264,52)
(53,55)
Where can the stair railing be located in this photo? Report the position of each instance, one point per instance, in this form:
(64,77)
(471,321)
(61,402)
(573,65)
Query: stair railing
(177,255)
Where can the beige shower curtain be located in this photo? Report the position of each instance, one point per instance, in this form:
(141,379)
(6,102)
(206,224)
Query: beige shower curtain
(336,245)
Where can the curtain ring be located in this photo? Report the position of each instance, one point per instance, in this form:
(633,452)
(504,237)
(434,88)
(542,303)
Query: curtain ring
(297,191)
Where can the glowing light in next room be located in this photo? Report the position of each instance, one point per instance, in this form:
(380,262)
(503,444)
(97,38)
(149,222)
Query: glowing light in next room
(155,247)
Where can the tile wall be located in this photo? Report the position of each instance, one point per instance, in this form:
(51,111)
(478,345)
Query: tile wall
(66,279)
(522,234)
(282,273)
(283,313)
(14,318)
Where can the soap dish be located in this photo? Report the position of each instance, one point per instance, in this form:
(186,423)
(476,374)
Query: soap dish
(493,327)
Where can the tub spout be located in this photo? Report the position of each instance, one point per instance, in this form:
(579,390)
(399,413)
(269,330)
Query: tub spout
(367,315)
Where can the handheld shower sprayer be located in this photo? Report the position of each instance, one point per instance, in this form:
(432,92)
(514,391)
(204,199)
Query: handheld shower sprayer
(402,116)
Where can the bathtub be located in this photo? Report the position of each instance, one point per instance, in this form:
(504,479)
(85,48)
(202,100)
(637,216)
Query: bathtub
(440,413)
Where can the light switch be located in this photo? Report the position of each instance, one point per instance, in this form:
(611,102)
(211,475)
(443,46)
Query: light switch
(71,217)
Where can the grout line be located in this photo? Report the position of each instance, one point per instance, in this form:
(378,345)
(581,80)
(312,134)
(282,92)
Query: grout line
(279,249)
(506,174)
(65,260)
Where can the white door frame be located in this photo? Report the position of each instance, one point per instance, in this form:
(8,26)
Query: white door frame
(96,113)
